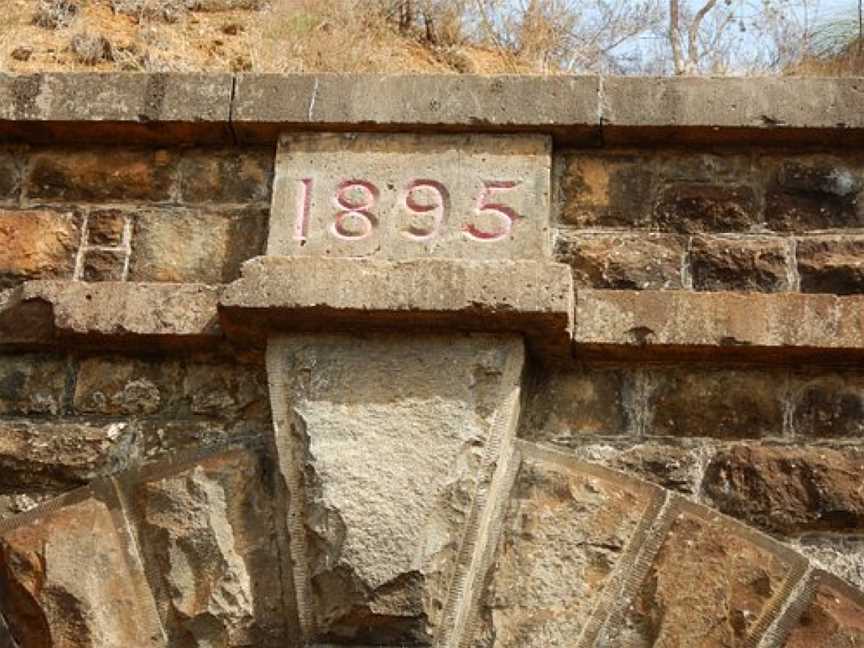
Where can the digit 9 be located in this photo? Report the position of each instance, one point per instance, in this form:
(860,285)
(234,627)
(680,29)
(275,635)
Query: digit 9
(437,210)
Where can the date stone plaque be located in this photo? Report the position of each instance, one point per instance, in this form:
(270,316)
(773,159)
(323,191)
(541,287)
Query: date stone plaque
(400,196)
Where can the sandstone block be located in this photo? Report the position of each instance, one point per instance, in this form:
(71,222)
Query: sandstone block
(105,227)
(102,176)
(37,245)
(404,196)
(165,439)
(103,265)
(227,390)
(721,403)
(380,473)
(119,386)
(829,405)
(712,584)
(565,534)
(814,196)
(789,490)
(670,323)
(209,546)
(645,262)
(70,577)
(697,207)
(740,265)
(671,467)
(32,384)
(244,177)
(831,265)
(10,177)
(194,245)
(835,617)
(566,406)
(48,455)
(608,191)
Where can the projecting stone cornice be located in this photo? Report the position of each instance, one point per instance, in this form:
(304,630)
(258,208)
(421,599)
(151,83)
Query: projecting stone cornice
(161,108)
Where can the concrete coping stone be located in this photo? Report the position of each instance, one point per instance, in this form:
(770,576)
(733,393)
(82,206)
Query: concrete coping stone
(167,107)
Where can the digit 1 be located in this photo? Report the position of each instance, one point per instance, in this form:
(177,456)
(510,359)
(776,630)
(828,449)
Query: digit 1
(304,204)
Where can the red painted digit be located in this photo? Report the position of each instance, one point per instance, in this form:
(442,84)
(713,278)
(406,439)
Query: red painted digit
(506,214)
(438,209)
(351,209)
(304,203)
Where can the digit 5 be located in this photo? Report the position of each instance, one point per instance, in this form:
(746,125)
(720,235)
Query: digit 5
(505,213)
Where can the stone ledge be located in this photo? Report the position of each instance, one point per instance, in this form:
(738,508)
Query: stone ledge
(154,108)
(161,108)
(306,293)
(646,325)
(41,313)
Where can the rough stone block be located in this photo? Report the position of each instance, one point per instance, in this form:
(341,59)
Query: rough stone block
(49,455)
(672,467)
(227,390)
(10,177)
(834,617)
(164,439)
(195,246)
(37,245)
(70,577)
(607,191)
(228,177)
(32,384)
(120,386)
(106,227)
(813,196)
(697,207)
(402,196)
(531,298)
(828,405)
(209,546)
(831,265)
(565,534)
(265,104)
(789,490)
(646,262)
(103,265)
(566,406)
(754,326)
(102,175)
(712,583)
(382,442)
(720,403)
(740,265)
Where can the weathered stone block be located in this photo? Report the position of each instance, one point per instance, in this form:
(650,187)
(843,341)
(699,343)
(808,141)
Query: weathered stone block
(831,265)
(403,196)
(828,406)
(69,577)
(696,207)
(49,455)
(646,262)
(105,227)
(672,467)
(119,386)
(227,390)
(814,196)
(613,191)
(37,245)
(711,584)
(565,406)
(380,474)
(227,177)
(209,546)
(164,439)
(10,177)
(720,403)
(102,175)
(32,384)
(195,246)
(748,265)
(565,533)
(835,617)
(103,265)
(789,490)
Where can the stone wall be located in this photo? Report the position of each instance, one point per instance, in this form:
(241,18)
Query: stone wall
(615,398)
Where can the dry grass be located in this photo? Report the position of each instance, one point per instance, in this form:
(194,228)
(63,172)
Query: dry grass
(227,35)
